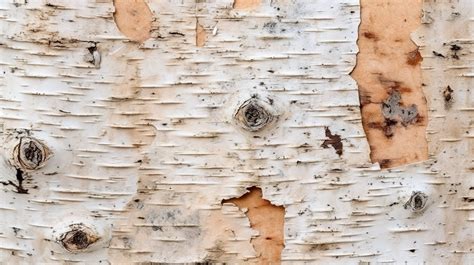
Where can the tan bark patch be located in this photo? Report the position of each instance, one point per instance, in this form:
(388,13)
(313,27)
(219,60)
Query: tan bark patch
(200,35)
(246,4)
(133,19)
(266,218)
(388,63)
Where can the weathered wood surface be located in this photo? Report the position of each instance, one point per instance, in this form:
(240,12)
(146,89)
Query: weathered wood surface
(139,145)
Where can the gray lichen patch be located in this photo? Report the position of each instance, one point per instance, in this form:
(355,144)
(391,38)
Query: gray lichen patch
(393,110)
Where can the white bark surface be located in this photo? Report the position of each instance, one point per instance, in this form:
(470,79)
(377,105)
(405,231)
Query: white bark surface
(145,144)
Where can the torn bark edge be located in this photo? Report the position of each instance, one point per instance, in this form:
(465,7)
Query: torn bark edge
(269,242)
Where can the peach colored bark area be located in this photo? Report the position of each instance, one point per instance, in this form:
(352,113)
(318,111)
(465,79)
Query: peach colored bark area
(133,19)
(246,4)
(388,68)
(266,218)
(200,35)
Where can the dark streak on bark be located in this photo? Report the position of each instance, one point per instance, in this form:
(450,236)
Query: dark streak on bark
(19,187)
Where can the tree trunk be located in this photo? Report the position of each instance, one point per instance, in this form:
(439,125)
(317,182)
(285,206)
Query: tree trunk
(236,131)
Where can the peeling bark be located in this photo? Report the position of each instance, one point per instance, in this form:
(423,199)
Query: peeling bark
(200,35)
(148,140)
(134,19)
(268,220)
(388,66)
(246,4)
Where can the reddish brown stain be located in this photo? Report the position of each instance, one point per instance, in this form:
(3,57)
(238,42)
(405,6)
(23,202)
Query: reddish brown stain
(370,35)
(133,19)
(387,127)
(266,218)
(385,163)
(334,141)
(414,57)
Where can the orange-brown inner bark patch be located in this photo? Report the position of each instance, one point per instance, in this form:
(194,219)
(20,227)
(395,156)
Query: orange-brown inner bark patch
(266,218)
(414,57)
(134,19)
(388,63)
(200,35)
(246,4)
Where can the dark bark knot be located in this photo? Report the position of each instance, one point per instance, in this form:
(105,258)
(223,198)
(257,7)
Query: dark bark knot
(254,114)
(30,154)
(417,201)
(78,238)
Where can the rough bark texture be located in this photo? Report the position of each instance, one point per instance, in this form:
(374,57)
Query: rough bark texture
(121,149)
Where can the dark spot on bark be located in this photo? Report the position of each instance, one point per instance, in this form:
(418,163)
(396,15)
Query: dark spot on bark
(176,33)
(455,48)
(270,100)
(388,127)
(270,26)
(254,115)
(334,141)
(52,5)
(93,57)
(370,35)
(438,54)
(321,246)
(385,163)
(16,230)
(448,96)
(33,153)
(20,179)
(412,250)
(156,228)
(364,99)
(79,239)
(468,199)
(414,57)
